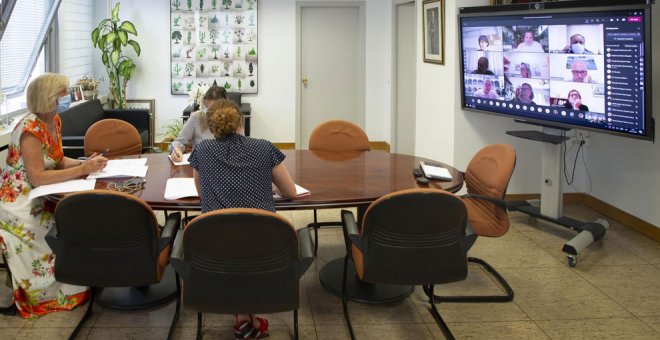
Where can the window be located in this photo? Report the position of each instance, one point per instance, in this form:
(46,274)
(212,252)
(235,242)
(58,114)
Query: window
(22,58)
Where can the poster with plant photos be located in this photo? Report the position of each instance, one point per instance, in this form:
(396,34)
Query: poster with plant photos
(213,42)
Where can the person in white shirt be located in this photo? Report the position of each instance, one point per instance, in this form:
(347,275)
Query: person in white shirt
(529,44)
(486,91)
(579,72)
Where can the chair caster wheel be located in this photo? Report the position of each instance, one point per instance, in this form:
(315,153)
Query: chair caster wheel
(572,261)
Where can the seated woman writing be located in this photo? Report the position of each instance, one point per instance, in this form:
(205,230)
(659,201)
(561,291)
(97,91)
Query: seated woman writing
(196,128)
(234,171)
(35,158)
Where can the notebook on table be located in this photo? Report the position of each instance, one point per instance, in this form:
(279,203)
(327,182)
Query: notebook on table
(435,170)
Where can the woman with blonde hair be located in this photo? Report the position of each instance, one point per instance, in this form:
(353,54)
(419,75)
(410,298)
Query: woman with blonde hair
(234,171)
(196,128)
(35,158)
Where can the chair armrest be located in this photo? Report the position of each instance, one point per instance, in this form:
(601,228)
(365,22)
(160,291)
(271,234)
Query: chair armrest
(498,202)
(176,257)
(351,232)
(51,239)
(246,109)
(170,229)
(306,252)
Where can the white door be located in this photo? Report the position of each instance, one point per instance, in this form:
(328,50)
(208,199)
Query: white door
(331,67)
(404,124)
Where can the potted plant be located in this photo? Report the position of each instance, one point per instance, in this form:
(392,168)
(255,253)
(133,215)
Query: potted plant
(110,36)
(89,86)
(172,131)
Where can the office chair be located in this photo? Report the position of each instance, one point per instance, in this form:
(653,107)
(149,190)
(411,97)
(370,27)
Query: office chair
(241,261)
(487,178)
(335,135)
(98,247)
(409,237)
(117,136)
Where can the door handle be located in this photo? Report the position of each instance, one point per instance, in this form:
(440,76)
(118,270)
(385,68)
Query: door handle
(305,82)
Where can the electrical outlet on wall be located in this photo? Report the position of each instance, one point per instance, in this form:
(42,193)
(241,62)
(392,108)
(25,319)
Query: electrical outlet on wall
(582,136)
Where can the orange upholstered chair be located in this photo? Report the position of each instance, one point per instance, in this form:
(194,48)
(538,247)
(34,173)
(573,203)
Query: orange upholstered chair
(487,178)
(118,136)
(335,135)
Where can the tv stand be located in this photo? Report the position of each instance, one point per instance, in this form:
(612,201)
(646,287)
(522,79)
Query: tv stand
(551,205)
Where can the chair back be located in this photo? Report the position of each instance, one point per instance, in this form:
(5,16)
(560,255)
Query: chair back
(240,261)
(107,239)
(413,237)
(338,135)
(488,174)
(120,137)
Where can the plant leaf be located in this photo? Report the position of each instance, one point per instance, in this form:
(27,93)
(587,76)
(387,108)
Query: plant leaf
(102,42)
(115,13)
(95,36)
(128,27)
(123,37)
(104,58)
(136,46)
(110,37)
(114,57)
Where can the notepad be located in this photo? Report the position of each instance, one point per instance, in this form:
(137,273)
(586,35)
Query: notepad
(184,159)
(66,186)
(300,192)
(132,167)
(435,171)
(176,188)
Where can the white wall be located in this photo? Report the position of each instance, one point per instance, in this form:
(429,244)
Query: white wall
(273,108)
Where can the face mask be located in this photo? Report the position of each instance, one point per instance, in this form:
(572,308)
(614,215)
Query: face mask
(63,103)
(577,48)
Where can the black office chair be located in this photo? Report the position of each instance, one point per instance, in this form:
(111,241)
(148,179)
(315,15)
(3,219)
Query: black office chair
(241,261)
(409,237)
(106,238)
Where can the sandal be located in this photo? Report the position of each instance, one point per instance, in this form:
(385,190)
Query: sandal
(262,331)
(243,329)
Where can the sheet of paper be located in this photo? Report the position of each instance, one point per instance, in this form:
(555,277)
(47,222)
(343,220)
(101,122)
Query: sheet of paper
(184,159)
(134,167)
(68,186)
(179,188)
(300,192)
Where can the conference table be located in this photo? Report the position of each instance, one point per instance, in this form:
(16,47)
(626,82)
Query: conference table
(335,180)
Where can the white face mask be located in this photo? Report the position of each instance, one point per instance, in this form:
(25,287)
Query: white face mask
(577,48)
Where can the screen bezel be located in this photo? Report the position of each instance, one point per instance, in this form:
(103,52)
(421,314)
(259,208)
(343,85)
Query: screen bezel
(566,7)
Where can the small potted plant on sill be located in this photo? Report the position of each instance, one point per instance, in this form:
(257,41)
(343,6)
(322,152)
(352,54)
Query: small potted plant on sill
(89,86)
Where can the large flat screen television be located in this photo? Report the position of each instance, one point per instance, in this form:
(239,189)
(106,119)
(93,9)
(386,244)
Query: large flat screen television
(565,64)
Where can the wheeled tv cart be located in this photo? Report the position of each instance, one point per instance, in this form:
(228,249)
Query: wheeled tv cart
(550,208)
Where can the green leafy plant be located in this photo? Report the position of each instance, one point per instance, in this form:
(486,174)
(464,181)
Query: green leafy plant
(110,36)
(172,130)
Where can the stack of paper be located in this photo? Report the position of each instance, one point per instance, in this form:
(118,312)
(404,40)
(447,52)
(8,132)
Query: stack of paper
(179,188)
(134,167)
(435,171)
(67,186)
(184,159)
(300,192)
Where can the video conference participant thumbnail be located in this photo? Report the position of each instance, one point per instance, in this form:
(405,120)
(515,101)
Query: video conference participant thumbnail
(481,86)
(572,96)
(532,39)
(577,68)
(526,65)
(529,92)
(484,62)
(482,39)
(576,39)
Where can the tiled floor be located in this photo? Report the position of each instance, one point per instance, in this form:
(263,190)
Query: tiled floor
(613,293)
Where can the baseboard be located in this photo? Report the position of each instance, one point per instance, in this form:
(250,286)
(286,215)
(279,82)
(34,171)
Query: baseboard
(604,208)
(285,146)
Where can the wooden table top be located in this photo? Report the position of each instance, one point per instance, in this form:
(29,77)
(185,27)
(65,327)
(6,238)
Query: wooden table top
(335,179)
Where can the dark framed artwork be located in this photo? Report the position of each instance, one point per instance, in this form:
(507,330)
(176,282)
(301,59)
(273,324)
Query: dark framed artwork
(433,29)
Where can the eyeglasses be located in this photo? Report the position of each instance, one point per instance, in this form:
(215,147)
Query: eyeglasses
(583,72)
(574,95)
(130,186)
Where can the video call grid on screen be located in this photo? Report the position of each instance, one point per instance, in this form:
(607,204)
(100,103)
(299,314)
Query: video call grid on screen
(582,68)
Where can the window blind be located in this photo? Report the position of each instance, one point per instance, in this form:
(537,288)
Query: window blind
(22,40)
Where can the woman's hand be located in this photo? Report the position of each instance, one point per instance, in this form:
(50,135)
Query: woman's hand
(576,103)
(94,163)
(177,154)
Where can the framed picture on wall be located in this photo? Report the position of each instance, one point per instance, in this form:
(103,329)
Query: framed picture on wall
(76,93)
(433,16)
